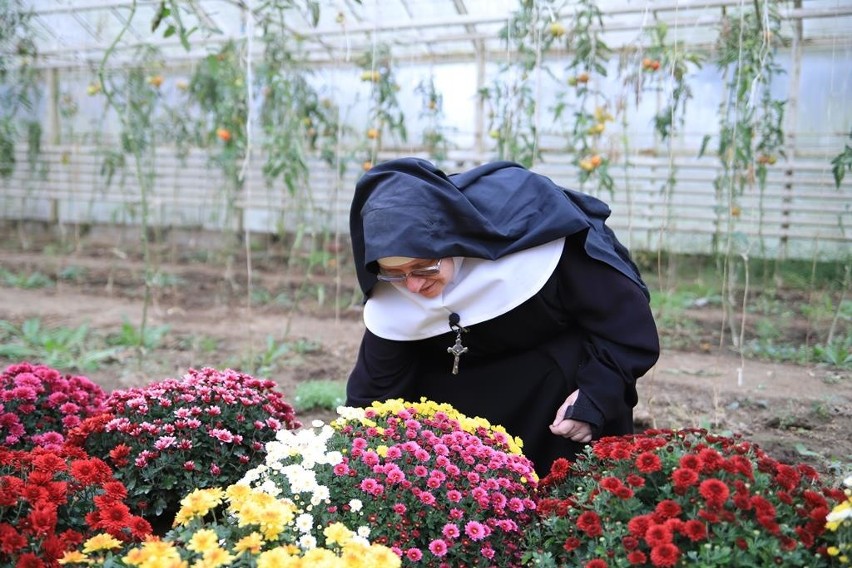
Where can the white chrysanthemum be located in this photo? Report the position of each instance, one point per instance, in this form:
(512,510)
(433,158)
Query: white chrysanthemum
(333,458)
(839,514)
(254,474)
(317,423)
(270,487)
(301,480)
(321,495)
(305,523)
(363,532)
(307,542)
(350,412)
(356,505)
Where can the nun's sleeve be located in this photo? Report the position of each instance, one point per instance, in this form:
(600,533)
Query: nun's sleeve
(384,370)
(621,343)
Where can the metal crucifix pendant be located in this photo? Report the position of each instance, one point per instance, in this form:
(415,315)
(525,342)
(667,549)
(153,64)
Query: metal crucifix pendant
(457,351)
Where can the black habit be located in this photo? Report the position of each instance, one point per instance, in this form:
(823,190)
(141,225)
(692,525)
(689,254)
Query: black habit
(590,326)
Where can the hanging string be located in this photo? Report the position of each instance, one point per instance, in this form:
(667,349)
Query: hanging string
(244,174)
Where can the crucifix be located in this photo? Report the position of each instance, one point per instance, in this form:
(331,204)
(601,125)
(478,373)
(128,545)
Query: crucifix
(457,350)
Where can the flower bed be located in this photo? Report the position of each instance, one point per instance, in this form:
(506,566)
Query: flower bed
(688,497)
(238,526)
(399,483)
(205,429)
(439,488)
(51,500)
(39,404)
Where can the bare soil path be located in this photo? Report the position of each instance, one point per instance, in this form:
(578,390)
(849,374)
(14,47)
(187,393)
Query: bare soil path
(797,413)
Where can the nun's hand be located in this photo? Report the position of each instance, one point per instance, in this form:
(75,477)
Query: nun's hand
(574,430)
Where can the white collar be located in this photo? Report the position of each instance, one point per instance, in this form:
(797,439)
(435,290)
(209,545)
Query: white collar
(479,291)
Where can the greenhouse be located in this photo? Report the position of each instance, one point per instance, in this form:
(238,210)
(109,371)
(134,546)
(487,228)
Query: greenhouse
(425,283)
(705,125)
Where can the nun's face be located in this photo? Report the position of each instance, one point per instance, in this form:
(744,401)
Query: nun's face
(420,277)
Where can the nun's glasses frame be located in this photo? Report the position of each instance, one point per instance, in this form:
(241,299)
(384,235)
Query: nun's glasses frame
(426,272)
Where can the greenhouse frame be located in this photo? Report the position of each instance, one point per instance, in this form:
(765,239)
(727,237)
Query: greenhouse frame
(708,126)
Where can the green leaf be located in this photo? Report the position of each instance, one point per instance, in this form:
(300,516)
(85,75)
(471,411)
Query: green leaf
(162,13)
(704,142)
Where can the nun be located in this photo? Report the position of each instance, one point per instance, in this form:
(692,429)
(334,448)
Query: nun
(500,293)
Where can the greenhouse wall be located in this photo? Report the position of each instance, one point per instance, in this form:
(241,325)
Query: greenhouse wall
(800,215)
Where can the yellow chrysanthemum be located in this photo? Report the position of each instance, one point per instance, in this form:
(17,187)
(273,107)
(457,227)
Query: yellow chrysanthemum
(200,502)
(337,533)
(379,556)
(101,542)
(359,555)
(250,543)
(237,492)
(73,557)
(203,540)
(429,409)
(320,558)
(275,558)
(215,557)
(382,450)
(155,554)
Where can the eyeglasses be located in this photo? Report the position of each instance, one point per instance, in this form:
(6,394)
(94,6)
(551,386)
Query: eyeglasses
(427,272)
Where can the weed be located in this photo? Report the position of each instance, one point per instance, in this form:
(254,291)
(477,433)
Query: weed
(72,273)
(164,280)
(319,394)
(132,336)
(837,353)
(29,281)
(265,362)
(61,347)
(203,343)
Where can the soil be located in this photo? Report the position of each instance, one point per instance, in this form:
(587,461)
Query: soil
(218,317)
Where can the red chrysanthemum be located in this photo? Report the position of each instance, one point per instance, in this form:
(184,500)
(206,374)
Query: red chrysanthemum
(611,484)
(668,509)
(695,530)
(690,461)
(683,478)
(91,471)
(658,534)
(639,525)
(665,555)
(647,462)
(590,523)
(714,491)
(571,543)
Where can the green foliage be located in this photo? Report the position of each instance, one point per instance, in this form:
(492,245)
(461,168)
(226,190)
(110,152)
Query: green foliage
(59,347)
(29,280)
(751,135)
(273,356)
(385,111)
(168,15)
(319,394)
(432,110)
(838,353)
(19,79)
(144,337)
(71,272)
(842,163)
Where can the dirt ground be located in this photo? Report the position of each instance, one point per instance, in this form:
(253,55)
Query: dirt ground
(796,413)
